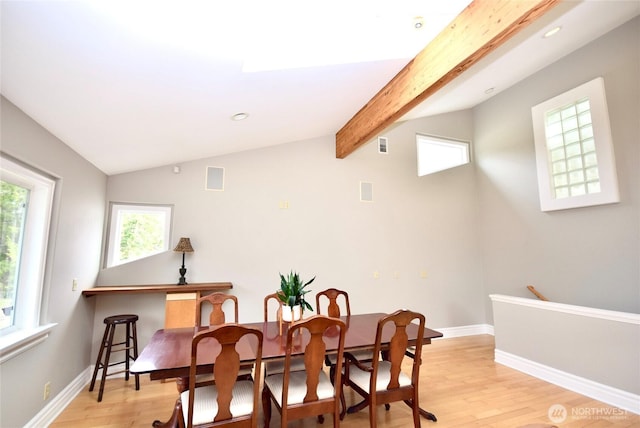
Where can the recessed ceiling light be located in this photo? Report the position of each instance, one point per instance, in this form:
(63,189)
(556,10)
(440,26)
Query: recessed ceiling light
(239,116)
(552,32)
(489,90)
(418,22)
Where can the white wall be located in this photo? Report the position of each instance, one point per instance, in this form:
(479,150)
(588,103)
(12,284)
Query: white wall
(240,235)
(586,256)
(74,253)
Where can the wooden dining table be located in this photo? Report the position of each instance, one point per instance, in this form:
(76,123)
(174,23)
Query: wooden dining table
(168,354)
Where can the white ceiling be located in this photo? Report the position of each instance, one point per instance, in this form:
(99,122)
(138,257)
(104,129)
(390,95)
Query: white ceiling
(127,96)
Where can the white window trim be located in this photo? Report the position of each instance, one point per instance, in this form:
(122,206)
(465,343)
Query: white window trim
(17,342)
(113,241)
(27,331)
(423,142)
(594,90)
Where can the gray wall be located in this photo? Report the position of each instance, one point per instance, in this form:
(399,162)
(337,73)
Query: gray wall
(561,337)
(74,253)
(586,256)
(241,235)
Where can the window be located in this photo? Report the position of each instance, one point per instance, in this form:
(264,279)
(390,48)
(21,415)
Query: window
(137,231)
(437,154)
(26,198)
(574,152)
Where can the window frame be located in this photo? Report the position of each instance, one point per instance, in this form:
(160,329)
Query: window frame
(594,91)
(28,329)
(424,140)
(112,242)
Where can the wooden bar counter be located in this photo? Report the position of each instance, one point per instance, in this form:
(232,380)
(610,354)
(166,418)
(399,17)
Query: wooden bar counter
(157,288)
(180,304)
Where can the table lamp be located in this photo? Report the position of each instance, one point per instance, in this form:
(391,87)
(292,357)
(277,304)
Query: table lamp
(184,246)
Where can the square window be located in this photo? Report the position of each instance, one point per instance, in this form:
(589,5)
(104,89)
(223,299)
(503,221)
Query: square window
(572,133)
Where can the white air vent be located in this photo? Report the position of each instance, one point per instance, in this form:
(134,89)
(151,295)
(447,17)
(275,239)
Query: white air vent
(383,145)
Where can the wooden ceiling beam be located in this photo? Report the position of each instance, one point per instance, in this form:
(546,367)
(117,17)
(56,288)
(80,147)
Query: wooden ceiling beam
(479,29)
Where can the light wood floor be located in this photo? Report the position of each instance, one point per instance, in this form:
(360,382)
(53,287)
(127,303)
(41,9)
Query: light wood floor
(460,384)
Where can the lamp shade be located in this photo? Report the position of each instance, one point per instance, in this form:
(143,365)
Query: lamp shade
(184,246)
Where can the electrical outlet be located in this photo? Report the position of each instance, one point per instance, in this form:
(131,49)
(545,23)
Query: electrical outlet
(376,275)
(74,284)
(47,391)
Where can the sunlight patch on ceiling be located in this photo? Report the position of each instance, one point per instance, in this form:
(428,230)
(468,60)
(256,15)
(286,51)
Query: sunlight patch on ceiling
(286,34)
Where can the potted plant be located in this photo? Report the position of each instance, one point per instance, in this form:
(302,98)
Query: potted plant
(292,295)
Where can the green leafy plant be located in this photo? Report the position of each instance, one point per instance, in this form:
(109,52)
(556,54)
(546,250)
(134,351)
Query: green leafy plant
(293,290)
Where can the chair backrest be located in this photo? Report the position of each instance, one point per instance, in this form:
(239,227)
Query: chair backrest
(398,342)
(217,314)
(226,368)
(267,302)
(336,299)
(309,336)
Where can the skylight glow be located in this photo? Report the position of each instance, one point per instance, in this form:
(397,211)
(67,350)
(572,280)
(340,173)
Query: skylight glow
(284,34)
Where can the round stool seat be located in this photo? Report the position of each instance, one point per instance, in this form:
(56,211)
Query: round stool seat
(120,319)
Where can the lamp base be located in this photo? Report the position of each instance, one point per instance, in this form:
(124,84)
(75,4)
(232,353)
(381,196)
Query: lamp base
(182,280)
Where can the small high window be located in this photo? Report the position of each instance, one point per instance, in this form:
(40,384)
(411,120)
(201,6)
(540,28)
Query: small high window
(437,154)
(137,231)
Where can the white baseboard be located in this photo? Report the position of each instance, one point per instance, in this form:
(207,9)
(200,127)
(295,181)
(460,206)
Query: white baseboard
(50,412)
(465,330)
(613,396)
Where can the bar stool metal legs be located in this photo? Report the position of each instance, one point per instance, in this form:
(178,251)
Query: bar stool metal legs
(129,345)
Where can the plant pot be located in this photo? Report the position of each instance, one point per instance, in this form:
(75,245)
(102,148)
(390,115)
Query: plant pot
(290,314)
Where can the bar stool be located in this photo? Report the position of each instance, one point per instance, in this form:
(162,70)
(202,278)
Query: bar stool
(130,343)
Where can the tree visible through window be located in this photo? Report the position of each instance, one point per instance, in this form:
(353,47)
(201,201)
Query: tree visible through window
(137,231)
(26,203)
(13,209)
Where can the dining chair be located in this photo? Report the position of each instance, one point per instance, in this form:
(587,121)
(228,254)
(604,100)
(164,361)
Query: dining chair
(277,366)
(336,303)
(268,304)
(216,303)
(230,400)
(383,381)
(309,392)
(217,314)
(334,299)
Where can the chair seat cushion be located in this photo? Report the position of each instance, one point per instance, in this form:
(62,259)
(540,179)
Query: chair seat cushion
(298,387)
(361,377)
(205,406)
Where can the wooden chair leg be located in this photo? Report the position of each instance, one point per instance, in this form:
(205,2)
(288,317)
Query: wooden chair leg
(99,361)
(266,406)
(105,366)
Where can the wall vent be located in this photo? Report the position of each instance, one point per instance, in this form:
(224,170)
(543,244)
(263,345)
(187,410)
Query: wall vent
(366,192)
(383,145)
(215,178)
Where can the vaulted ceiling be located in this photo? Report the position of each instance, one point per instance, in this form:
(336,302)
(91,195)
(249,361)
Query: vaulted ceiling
(160,90)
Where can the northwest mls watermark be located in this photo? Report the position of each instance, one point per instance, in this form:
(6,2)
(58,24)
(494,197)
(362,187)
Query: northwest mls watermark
(558,413)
